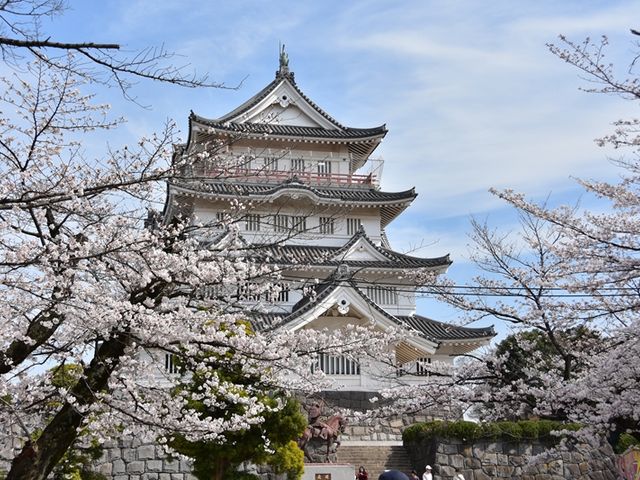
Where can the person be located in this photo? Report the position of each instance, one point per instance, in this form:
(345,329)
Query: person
(414,475)
(427,473)
(458,476)
(362,474)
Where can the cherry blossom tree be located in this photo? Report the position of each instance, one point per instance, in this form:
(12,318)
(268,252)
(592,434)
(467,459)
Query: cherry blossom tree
(571,278)
(86,284)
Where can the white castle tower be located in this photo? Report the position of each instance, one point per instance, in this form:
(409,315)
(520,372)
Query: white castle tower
(316,210)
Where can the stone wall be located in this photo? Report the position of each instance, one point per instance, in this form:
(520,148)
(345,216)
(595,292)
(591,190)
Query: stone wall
(135,461)
(486,460)
(376,429)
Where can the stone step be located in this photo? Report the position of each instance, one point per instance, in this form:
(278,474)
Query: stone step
(375,458)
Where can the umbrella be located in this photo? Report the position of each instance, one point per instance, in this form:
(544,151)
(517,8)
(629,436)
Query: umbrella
(393,475)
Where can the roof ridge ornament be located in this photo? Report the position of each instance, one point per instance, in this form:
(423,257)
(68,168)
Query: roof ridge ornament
(283,70)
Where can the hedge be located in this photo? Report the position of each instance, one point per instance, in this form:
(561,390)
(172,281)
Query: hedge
(472,431)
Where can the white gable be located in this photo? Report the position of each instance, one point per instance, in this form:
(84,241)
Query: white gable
(285,106)
(350,306)
(290,115)
(361,250)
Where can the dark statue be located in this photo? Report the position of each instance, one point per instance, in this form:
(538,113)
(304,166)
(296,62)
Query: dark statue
(320,441)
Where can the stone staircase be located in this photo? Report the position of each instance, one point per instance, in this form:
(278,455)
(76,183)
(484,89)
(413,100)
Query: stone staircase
(375,458)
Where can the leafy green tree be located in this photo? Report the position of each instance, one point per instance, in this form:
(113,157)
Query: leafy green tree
(270,441)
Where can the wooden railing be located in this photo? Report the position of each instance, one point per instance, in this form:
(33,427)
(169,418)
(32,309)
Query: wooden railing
(278,176)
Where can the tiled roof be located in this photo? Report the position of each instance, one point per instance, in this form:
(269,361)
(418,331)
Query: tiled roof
(428,328)
(345,194)
(293,130)
(329,256)
(444,331)
(258,97)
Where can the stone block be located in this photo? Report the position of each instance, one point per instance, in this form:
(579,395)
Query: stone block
(154,465)
(171,466)
(525,449)
(502,459)
(517,460)
(470,462)
(185,466)
(146,452)
(129,454)
(121,477)
(489,470)
(555,467)
(456,461)
(479,450)
(165,476)
(118,466)
(105,469)
(537,449)
(449,449)
(571,470)
(480,475)
(490,459)
(135,467)
(114,453)
(149,476)
(442,459)
(504,471)
(177,476)
(447,471)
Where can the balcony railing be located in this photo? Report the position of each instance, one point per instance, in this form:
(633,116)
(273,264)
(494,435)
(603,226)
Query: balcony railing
(265,175)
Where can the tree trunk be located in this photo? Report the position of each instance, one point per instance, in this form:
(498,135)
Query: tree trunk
(221,466)
(37,459)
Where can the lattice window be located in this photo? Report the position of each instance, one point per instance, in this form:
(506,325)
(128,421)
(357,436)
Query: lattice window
(252,222)
(419,367)
(297,165)
(298,224)
(422,366)
(220,219)
(245,163)
(324,168)
(383,295)
(353,225)
(171,363)
(210,291)
(327,225)
(281,223)
(336,365)
(247,292)
(283,295)
(271,163)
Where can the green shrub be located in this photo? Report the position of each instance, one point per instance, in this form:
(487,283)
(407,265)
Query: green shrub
(234,475)
(464,430)
(625,441)
(509,430)
(471,431)
(530,429)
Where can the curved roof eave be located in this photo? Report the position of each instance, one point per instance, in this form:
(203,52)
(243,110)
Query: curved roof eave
(393,198)
(292,132)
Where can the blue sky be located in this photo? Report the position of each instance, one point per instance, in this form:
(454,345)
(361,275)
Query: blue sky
(469,92)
